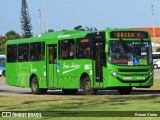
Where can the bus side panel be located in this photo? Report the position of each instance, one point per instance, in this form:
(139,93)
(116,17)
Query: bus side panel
(67,74)
(39,69)
(106,77)
(23,74)
(11,74)
(70,72)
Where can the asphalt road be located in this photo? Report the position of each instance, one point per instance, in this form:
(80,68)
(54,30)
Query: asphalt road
(18,91)
(157,74)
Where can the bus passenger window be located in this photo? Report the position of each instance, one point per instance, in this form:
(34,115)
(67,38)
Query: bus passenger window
(83,48)
(11,53)
(64,54)
(71,53)
(52,54)
(35,51)
(67,49)
(64,49)
(23,52)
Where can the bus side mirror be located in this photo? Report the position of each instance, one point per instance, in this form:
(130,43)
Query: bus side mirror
(106,48)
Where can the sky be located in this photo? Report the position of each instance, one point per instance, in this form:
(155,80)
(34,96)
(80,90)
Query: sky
(66,14)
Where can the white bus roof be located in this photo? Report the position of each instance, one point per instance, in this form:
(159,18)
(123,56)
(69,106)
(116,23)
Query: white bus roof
(2,56)
(155,52)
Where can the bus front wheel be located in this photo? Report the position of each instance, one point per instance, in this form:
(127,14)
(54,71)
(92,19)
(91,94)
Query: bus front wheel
(87,89)
(35,87)
(124,90)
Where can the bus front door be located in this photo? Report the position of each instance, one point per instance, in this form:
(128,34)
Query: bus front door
(51,66)
(98,57)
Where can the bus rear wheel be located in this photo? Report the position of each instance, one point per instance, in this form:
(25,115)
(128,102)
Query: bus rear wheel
(69,91)
(124,90)
(35,87)
(88,90)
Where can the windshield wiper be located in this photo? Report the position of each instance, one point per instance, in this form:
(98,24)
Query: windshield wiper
(125,45)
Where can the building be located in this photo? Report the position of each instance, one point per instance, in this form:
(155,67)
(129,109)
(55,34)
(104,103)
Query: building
(150,30)
(157,36)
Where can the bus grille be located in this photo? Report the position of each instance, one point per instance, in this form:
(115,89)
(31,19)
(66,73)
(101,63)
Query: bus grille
(133,70)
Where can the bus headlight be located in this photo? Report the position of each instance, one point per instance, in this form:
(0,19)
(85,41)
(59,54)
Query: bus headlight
(113,74)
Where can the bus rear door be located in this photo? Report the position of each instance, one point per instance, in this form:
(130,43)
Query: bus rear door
(51,65)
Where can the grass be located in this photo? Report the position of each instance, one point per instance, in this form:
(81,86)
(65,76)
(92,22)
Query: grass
(147,102)
(140,100)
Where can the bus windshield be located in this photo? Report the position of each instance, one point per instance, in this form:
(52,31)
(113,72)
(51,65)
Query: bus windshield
(130,53)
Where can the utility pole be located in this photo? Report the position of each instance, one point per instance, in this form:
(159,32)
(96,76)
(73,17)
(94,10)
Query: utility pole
(153,22)
(47,16)
(40,22)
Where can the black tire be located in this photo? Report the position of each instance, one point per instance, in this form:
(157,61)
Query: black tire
(44,91)
(87,89)
(124,90)
(69,91)
(35,87)
(4,73)
(155,66)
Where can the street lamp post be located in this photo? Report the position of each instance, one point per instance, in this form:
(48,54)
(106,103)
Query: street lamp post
(40,22)
(47,16)
(153,22)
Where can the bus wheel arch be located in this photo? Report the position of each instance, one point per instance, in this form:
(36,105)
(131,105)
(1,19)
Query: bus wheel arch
(82,78)
(33,75)
(86,85)
(34,84)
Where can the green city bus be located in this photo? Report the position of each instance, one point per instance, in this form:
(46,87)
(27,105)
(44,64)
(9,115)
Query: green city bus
(90,60)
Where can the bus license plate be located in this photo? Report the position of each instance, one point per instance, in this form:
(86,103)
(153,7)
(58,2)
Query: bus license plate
(127,77)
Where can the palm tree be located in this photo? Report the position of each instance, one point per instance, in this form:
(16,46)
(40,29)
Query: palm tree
(79,27)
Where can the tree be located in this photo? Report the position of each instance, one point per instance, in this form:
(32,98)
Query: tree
(91,29)
(50,30)
(158,49)
(12,35)
(25,20)
(79,27)
(2,44)
(2,40)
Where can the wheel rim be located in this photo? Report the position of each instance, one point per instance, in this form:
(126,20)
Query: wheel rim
(34,85)
(87,86)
